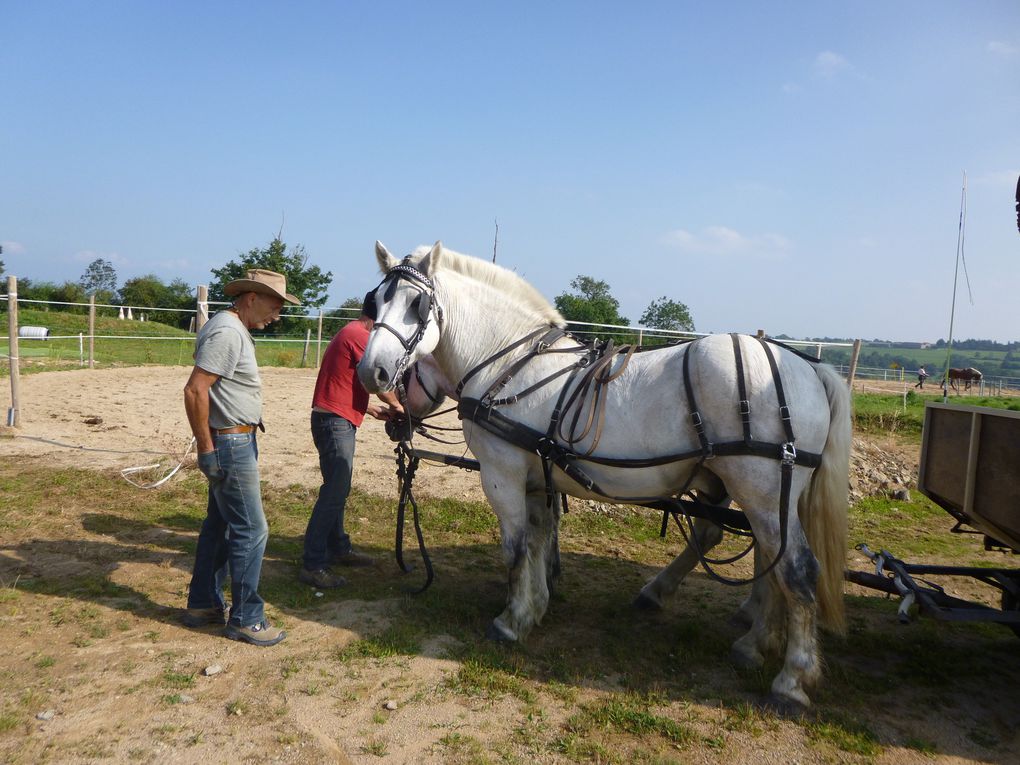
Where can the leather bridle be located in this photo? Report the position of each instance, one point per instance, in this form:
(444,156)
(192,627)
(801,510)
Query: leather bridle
(425,306)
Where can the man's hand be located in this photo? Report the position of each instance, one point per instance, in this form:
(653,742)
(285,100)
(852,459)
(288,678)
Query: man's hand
(381,411)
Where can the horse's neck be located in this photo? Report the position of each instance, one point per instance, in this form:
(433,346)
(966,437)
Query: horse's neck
(478,323)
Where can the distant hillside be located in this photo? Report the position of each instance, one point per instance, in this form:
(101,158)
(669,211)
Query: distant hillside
(993,359)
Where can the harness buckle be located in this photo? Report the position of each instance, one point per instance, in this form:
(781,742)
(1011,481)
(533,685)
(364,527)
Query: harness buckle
(788,453)
(745,408)
(697,422)
(784,413)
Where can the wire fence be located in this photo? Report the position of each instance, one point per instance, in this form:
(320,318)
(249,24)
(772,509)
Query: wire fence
(127,334)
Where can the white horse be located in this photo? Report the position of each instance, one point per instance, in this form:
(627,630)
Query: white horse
(674,414)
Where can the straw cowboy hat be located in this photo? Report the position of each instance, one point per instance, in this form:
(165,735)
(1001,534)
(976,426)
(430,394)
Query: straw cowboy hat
(264,282)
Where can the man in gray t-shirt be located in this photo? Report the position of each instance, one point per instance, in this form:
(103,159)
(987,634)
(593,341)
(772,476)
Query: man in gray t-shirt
(223,399)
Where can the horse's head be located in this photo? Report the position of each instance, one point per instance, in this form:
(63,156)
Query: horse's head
(408,317)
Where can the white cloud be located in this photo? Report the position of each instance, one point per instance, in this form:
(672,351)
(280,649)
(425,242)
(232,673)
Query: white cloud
(791,87)
(726,242)
(87,256)
(996,178)
(1002,49)
(828,64)
(13,248)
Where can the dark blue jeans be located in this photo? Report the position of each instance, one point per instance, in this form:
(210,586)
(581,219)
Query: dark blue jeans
(325,536)
(234,532)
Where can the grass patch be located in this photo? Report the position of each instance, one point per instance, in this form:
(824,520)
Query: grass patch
(629,715)
(846,735)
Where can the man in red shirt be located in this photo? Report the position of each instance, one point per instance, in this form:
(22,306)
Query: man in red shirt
(338,409)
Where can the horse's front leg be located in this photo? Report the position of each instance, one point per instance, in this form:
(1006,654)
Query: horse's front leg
(526,527)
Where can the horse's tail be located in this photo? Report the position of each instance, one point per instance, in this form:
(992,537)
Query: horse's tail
(823,507)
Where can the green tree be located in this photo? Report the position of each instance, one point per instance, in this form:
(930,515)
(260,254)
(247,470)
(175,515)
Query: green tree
(99,278)
(150,293)
(144,292)
(665,313)
(69,292)
(591,302)
(306,282)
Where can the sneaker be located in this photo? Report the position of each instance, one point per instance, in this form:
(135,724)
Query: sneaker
(201,617)
(322,578)
(353,559)
(262,634)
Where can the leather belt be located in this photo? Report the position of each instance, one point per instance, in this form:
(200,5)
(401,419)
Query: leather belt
(233,429)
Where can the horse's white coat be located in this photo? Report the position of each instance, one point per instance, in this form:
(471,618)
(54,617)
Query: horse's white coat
(485,308)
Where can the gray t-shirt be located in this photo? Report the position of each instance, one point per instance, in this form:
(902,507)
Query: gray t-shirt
(224,347)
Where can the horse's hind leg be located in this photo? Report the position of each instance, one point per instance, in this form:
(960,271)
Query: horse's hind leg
(666,582)
(789,610)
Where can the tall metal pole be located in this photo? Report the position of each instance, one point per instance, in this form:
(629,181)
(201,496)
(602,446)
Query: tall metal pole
(956,276)
(14,413)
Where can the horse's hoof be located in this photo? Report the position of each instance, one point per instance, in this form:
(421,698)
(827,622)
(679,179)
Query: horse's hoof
(785,707)
(498,633)
(646,603)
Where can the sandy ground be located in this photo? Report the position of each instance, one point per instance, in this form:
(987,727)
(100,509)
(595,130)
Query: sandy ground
(130,417)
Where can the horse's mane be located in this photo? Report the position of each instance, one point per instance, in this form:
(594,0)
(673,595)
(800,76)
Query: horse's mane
(499,278)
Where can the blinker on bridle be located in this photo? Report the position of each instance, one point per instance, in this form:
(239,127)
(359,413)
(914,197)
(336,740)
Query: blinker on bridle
(423,303)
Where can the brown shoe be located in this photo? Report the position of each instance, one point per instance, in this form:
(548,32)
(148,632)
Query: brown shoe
(322,578)
(353,559)
(201,617)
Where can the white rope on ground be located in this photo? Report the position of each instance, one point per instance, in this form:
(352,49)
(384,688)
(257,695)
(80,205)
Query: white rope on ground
(127,472)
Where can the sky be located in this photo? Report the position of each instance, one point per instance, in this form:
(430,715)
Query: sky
(795,167)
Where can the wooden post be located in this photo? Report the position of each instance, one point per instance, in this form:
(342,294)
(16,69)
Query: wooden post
(81,349)
(308,341)
(761,334)
(853,364)
(14,413)
(818,351)
(202,312)
(92,331)
(318,342)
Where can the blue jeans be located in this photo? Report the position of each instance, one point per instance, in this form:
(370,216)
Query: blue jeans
(234,532)
(325,536)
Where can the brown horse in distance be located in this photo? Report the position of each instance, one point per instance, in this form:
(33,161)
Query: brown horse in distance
(968,376)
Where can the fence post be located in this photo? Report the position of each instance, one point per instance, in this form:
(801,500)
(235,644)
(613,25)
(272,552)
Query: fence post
(92,331)
(308,341)
(81,349)
(202,312)
(14,413)
(853,364)
(318,342)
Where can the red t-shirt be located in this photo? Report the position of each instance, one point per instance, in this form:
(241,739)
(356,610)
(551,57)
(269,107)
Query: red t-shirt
(337,388)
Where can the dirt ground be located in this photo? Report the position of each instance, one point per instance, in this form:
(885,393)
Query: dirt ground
(124,418)
(131,417)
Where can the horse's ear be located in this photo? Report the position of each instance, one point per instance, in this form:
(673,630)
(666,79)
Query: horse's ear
(430,263)
(386,261)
